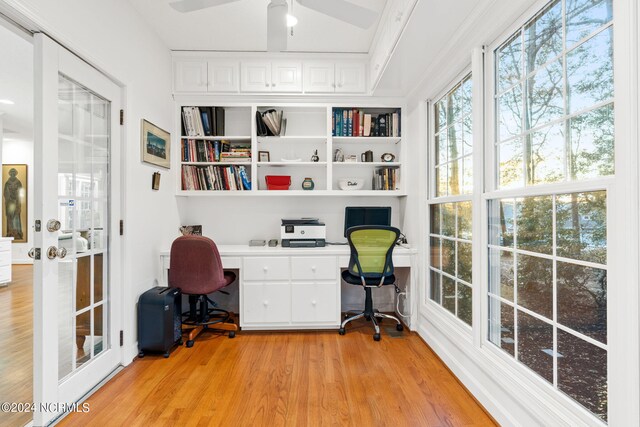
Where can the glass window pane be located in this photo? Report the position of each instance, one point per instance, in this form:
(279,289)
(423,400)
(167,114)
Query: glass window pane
(582,299)
(441,114)
(535,345)
(510,113)
(501,273)
(464,220)
(449,256)
(455,177)
(83,286)
(454,106)
(467,135)
(581,225)
(546,154)
(590,72)
(435,219)
(455,141)
(534,221)
(464,303)
(501,329)
(582,373)
(510,164)
(464,261)
(434,288)
(98,277)
(449,219)
(442,178)
(592,144)
(83,338)
(98,335)
(449,294)
(467,175)
(543,37)
(535,284)
(441,148)
(544,95)
(586,16)
(502,222)
(510,62)
(435,253)
(66,310)
(467,95)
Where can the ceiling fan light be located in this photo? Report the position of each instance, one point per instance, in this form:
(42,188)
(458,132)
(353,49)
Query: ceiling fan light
(291,20)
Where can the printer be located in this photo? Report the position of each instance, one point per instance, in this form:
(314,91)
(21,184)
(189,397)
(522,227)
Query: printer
(303,233)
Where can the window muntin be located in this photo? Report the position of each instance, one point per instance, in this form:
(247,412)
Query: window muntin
(554,97)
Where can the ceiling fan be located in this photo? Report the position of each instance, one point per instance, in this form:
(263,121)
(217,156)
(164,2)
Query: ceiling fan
(277,10)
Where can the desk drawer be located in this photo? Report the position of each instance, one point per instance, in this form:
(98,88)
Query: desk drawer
(5,259)
(315,303)
(266,268)
(5,274)
(266,303)
(314,268)
(5,246)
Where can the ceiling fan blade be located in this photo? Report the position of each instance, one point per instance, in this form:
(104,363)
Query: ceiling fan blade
(344,11)
(192,5)
(277,26)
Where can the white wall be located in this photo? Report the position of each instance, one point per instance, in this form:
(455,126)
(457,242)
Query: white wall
(112,36)
(21,152)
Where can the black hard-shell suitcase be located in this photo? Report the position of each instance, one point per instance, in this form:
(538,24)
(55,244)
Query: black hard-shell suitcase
(159,321)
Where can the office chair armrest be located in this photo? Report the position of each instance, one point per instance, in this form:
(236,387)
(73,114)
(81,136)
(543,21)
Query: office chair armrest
(364,283)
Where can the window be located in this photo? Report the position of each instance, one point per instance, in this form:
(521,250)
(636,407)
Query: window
(548,249)
(450,209)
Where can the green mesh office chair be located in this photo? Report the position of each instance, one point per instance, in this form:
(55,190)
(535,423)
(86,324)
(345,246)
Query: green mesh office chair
(371,266)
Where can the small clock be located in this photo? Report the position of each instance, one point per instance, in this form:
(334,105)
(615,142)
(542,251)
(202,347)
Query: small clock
(388,157)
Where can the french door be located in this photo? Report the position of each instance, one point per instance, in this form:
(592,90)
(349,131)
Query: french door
(77,291)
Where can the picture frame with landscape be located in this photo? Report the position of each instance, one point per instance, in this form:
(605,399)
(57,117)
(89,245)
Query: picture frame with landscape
(155,145)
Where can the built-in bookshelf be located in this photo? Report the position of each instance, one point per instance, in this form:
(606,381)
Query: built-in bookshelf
(231,149)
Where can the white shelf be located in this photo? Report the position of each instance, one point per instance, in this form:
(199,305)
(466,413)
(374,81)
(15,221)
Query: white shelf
(218,138)
(248,163)
(292,163)
(287,137)
(366,139)
(290,193)
(367,164)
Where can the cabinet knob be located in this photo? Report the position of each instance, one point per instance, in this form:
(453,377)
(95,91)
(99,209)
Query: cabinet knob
(339,84)
(313,302)
(273,85)
(266,85)
(313,268)
(265,268)
(266,303)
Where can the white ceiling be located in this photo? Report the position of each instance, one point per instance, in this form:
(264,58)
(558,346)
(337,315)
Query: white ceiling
(242,26)
(16,84)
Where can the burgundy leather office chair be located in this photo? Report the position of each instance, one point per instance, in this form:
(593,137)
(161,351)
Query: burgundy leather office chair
(196,269)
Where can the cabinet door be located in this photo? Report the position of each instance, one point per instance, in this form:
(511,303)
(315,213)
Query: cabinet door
(190,76)
(223,76)
(350,78)
(255,77)
(319,77)
(286,76)
(265,303)
(317,302)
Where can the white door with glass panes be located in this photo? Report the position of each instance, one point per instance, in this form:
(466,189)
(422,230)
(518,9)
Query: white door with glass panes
(77,284)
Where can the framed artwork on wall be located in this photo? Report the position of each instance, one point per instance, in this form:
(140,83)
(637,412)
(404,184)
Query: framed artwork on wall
(14,202)
(155,145)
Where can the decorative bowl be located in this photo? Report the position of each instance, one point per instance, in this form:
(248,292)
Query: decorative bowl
(351,183)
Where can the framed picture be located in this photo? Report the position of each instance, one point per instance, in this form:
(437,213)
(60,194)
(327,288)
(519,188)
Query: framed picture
(156,145)
(14,202)
(263,156)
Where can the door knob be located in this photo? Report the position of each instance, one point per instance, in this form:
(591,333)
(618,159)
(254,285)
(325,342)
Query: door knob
(54,252)
(32,253)
(53,225)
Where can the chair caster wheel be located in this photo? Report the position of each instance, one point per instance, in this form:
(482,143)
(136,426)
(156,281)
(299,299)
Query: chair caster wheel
(376,337)
(166,355)
(141,354)
(341,331)
(189,343)
(399,327)
(180,342)
(232,334)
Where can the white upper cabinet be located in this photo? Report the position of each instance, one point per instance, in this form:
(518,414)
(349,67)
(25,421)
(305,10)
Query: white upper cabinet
(223,76)
(190,75)
(255,77)
(267,76)
(350,78)
(319,77)
(286,76)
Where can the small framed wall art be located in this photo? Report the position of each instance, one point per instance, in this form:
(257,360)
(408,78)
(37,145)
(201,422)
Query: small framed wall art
(155,145)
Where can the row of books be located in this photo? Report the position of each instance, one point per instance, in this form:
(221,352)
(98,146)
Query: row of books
(232,178)
(385,178)
(198,150)
(203,121)
(355,122)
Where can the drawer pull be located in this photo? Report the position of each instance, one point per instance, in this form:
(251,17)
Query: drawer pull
(266,303)
(313,302)
(313,268)
(265,268)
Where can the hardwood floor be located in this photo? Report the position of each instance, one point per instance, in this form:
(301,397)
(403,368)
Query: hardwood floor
(288,379)
(16,343)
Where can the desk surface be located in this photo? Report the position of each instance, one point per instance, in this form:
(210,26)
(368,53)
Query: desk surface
(246,250)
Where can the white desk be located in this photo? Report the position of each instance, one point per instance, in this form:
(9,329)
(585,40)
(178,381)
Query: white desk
(5,260)
(290,288)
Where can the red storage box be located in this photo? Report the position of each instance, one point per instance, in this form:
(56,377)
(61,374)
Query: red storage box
(278,182)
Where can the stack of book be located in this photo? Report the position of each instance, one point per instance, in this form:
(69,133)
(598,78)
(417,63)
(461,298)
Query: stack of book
(355,122)
(232,178)
(203,121)
(385,178)
(198,150)
(271,123)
